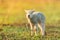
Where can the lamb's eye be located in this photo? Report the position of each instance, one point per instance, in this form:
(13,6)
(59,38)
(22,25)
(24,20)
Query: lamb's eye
(28,16)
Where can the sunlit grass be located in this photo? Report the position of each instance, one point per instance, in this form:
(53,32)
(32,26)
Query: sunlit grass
(22,33)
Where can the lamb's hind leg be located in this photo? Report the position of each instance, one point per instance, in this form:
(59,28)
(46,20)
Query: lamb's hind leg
(42,27)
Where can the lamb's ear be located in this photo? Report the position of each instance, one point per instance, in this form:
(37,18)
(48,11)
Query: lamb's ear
(33,9)
(25,10)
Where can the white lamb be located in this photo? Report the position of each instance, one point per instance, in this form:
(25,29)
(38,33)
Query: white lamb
(36,20)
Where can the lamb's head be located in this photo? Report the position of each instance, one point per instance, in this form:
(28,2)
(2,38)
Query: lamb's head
(29,13)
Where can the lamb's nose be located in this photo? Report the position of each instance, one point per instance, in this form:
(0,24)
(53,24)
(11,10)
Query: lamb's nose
(28,16)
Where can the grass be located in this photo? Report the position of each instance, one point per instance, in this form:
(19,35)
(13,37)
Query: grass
(22,33)
(11,12)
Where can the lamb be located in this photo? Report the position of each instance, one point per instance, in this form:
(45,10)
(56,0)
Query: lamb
(36,20)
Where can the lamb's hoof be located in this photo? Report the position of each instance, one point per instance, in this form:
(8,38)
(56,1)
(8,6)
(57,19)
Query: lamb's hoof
(36,35)
(32,35)
(45,33)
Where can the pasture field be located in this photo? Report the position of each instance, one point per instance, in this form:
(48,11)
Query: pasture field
(12,12)
(23,33)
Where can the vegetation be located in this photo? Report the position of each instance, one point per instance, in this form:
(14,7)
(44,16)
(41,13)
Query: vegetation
(22,33)
(12,14)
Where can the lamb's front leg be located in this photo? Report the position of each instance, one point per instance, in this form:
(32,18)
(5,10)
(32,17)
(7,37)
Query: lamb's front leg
(31,26)
(35,29)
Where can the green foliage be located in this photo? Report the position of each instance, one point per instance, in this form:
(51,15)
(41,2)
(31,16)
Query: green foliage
(22,33)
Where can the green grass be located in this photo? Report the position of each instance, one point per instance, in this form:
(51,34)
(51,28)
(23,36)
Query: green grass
(11,13)
(22,33)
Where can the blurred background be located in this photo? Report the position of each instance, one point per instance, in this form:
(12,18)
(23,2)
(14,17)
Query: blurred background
(12,11)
